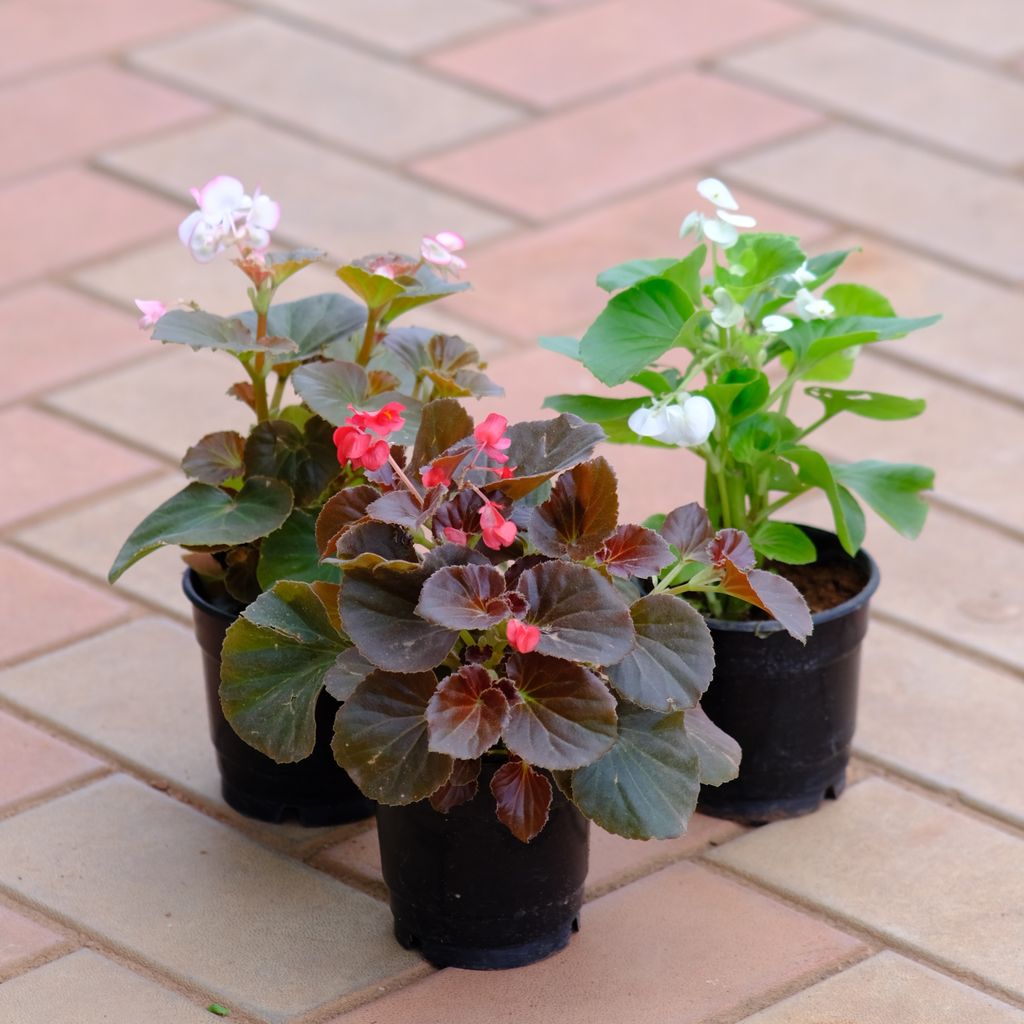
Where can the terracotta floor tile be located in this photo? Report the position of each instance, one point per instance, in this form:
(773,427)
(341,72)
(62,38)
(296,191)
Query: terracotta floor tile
(567,57)
(69,113)
(40,606)
(330,201)
(23,939)
(40,33)
(344,94)
(67,217)
(543,282)
(49,450)
(50,335)
(677,946)
(32,762)
(904,88)
(572,160)
(403,26)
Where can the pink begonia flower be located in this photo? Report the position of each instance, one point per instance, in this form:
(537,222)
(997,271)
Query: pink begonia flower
(522,636)
(455,535)
(359,448)
(498,532)
(382,422)
(227,216)
(151,310)
(440,250)
(435,476)
(489,437)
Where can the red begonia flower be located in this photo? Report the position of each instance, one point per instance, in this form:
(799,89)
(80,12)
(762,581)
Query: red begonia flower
(522,636)
(489,437)
(497,531)
(434,475)
(382,422)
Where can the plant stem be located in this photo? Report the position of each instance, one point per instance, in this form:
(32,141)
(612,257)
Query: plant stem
(259,379)
(369,337)
(405,480)
(783,501)
(275,401)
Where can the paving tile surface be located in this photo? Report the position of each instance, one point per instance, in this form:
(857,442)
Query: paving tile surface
(97,991)
(403,26)
(50,336)
(593,153)
(22,940)
(70,113)
(895,85)
(29,598)
(370,210)
(699,959)
(557,60)
(72,215)
(87,463)
(943,883)
(344,94)
(215,909)
(32,762)
(967,215)
(889,988)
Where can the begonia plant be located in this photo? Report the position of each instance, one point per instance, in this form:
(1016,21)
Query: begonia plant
(488,604)
(744,314)
(247,515)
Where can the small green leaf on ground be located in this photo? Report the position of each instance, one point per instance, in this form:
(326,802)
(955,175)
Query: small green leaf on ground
(220,1011)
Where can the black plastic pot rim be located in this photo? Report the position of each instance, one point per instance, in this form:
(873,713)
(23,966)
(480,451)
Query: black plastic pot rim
(764,626)
(188,585)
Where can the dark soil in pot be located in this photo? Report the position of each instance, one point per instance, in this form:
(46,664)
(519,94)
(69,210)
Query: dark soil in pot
(792,707)
(466,893)
(315,791)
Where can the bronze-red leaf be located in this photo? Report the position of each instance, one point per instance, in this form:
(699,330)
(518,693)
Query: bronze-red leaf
(466,714)
(459,789)
(635,551)
(522,797)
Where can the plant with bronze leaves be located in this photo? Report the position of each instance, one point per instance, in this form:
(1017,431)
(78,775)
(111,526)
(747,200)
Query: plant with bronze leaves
(484,613)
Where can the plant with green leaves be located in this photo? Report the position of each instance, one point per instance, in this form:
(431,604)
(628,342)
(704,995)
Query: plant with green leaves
(489,605)
(746,314)
(247,515)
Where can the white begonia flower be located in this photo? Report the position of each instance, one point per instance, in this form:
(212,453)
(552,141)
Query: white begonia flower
(688,421)
(717,192)
(811,308)
(718,231)
(227,216)
(727,312)
(776,324)
(737,220)
(803,275)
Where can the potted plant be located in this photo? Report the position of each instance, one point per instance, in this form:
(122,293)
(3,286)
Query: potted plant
(506,670)
(247,516)
(717,343)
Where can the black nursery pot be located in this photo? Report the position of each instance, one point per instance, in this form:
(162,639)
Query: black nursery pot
(466,893)
(791,707)
(315,790)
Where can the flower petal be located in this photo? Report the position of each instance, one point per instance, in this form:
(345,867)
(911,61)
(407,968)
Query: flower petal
(720,232)
(694,222)
(738,220)
(715,191)
(451,241)
(776,324)
(221,195)
(188,225)
(265,213)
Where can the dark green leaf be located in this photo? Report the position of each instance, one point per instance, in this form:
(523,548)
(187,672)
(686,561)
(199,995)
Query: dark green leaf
(581,513)
(565,715)
(466,714)
(625,274)
(579,613)
(341,511)
(380,738)
(304,459)
(718,753)
(199,329)
(636,327)
(892,489)
(348,671)
(273,664)
(672,662)
(216,459)
(329,388)
(738,392)
(314,323)
(522,798)
(443,424)
(290,553)
(646,786)
(205,516)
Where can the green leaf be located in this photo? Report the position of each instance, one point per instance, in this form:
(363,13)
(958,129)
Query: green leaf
(717,752)
(783,542)
(581,513)
(687,274)
(622,275)
(563,346)
(738,392)
(341,511)
(205,516)
(378,610)
(199,329)
(218,1010)
(381,738)
(873,405)
(314,324)
(611,413)
(375,290)
(814,340)
(674,657)
(216,458)
(646,786)
(813,468)
(273,663)
(449,364)
(564,716)
(466,714)
(859,300)
(306,460)
(290,553)
(759,437)
(892,489)
(655,382)
(635,328)
(522,798)
(580,614)
(426,286)
(759,259)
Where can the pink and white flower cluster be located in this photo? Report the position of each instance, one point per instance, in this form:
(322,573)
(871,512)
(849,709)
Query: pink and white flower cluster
(228,216)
